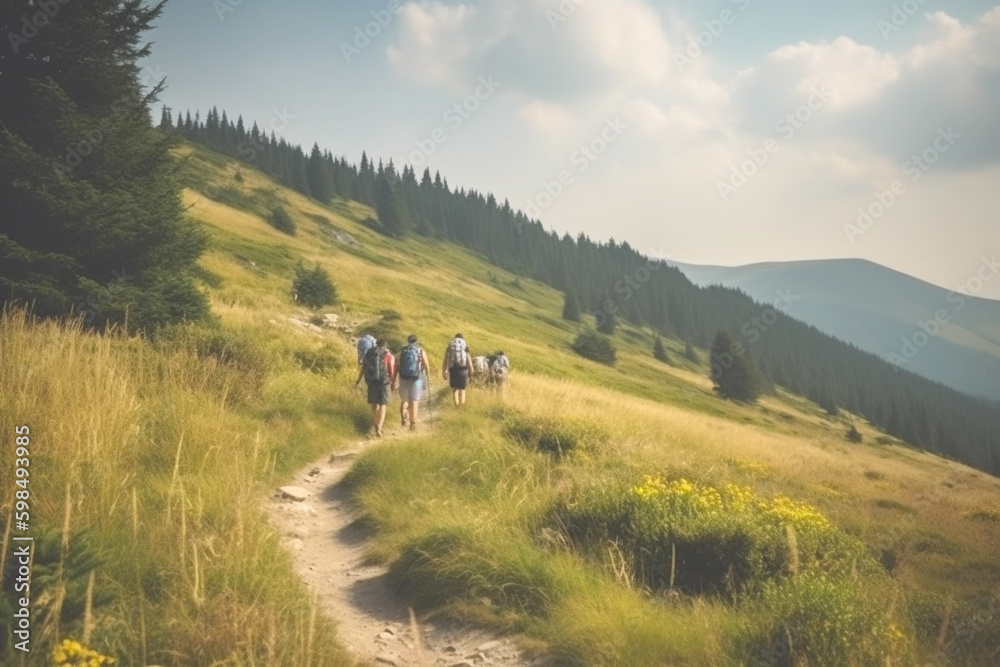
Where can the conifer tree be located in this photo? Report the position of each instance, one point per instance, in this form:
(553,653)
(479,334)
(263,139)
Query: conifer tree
(660,352)
(732,372)
(91,218)
(571,307)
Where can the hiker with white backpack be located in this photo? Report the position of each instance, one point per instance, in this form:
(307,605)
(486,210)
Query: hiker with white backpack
(413,365)
(457,368)
(378,368)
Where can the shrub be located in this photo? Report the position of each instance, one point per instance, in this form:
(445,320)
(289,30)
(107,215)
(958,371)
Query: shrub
(707,540)
(596,347)
(281,221)
(822,621)
(313,287)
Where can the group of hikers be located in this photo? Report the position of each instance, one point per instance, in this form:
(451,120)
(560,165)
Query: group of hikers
(378,367)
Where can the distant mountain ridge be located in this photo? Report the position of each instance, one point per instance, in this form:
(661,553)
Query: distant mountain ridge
(942,335)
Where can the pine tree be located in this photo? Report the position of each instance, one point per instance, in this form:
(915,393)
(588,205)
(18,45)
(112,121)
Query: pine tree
(689,352)
(660,352)
(571,308)
(91,218)
(313,287)
(733,374)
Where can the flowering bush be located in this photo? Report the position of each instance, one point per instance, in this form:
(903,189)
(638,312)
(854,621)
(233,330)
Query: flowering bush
(707,539)
(72,653)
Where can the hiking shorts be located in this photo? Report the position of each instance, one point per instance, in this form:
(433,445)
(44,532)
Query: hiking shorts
(378,393)
(458,377)
(410,390)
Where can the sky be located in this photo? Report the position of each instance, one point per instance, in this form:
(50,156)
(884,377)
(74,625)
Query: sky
(716,132)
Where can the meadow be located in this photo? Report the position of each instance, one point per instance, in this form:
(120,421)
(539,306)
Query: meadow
(580,510)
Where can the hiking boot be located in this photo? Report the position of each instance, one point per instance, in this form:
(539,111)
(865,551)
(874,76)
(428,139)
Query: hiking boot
(378,432)
(413,426)
(405,419)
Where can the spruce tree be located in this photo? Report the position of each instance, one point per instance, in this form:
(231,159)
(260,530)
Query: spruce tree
(732,372)
(660,352)
(689,352)
(571,307)
(91,219)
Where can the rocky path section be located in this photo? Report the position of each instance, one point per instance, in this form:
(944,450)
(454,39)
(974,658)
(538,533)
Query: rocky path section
(318,524)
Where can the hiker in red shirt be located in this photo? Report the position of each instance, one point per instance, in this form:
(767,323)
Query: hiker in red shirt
(378,368)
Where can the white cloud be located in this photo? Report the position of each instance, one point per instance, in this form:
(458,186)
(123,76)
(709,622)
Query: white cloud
(598,47)
(549,120)
(434,42)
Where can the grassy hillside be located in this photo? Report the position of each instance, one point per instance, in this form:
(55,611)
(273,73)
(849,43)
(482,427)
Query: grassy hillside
(557,511)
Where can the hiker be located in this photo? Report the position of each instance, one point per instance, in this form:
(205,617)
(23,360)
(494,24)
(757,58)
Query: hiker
(499,367)
(457,368)
(378,368)
(412,366)
(365,343)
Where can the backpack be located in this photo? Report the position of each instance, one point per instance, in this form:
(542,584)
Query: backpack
(457,350)
(375,369)
(409,363)
(500,365)
(365,343)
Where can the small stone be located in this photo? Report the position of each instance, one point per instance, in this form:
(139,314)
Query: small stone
(296,493)
(488,646)
(386,635)
(387,660)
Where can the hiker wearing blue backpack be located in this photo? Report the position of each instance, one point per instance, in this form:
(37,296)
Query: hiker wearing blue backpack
(457,368)
(413,365)
(378,368)
(365,343)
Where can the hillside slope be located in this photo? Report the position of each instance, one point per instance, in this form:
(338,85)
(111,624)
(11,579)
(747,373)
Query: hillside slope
(927,520)
(878,309)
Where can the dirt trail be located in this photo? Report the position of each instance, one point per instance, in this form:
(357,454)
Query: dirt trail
(329,549)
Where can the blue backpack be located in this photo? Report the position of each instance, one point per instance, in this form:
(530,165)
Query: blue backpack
(409,362)
(365,343)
